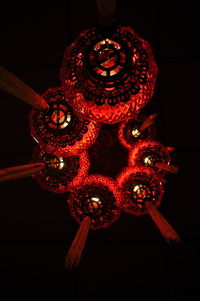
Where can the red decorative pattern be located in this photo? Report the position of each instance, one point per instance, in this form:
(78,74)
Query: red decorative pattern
(148,153)
(110,78)
(61,131)
(96,197)
(61,173)
(139,184)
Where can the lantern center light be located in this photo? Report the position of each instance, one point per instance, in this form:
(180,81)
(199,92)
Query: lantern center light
(141,192)
(94,204)
(106,59)
(55,166)
(56,163)
(149,160)
(60,117)
(135,132)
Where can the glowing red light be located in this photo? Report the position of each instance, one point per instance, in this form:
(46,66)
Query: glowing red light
(149,153)
(129,132)
(109,79)
(139,184)
(96,197)
(61,173)
(61,130)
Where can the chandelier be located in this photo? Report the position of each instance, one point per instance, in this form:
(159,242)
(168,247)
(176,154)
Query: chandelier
(108,76)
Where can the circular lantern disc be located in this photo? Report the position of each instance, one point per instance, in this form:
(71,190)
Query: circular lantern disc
(61,130)
(94,205)
(55,166)
(96,198)
(59,118)
(110,77)
(60,173)
(129,132)
(140,188)
(97,201)
(141,192)
(108,70)
(148,153)
(107,60)
(139,184)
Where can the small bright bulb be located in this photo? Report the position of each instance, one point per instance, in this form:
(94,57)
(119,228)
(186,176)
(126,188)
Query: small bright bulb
(61,164)
(136,188)
(148,161)
(135,133)
(69,117)
(95,199)
(64,125)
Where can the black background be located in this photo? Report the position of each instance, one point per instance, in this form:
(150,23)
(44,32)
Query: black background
(130,260)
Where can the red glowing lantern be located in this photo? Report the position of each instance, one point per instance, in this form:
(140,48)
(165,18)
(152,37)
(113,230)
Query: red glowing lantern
(153,154)
(96,197)
(109,76)
(142,190)
(61,130)
(135,129)
(93,204)
(60,173)
(139,184)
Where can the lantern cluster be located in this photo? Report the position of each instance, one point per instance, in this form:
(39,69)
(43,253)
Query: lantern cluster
(63,137)
(106,77)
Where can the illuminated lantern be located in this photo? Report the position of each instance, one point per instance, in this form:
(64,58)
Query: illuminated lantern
(93,206)
(139,184)
(153,154)
(60,130)
(109,76)
(142,193)
(134,129)
(60,173)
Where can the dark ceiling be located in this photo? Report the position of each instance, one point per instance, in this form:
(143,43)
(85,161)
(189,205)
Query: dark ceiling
(130,260)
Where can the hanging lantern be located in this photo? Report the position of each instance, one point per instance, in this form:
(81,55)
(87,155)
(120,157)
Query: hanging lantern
(60,173)
(153,154)
(142,193)
(135,129)
(139,184)
(109,75)
(93,206)
(61,130)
